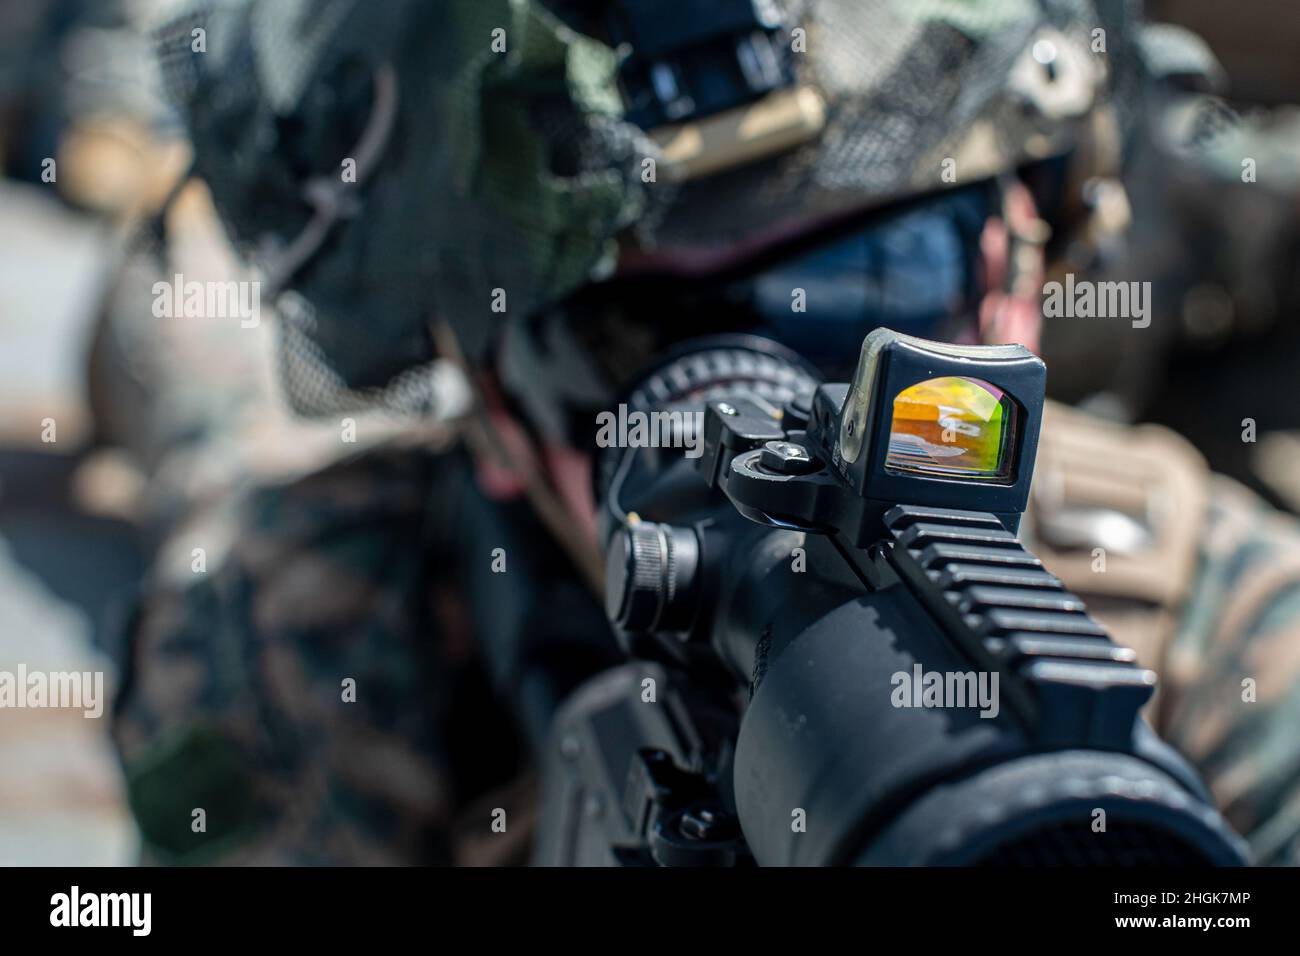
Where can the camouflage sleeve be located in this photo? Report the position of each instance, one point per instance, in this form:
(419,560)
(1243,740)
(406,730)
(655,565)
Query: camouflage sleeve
(288,699)
(1232,674)
(1202,579)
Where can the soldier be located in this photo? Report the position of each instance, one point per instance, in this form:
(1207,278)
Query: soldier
(492,185)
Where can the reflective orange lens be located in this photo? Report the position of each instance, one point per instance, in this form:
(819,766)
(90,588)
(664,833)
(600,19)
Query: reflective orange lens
(952,427)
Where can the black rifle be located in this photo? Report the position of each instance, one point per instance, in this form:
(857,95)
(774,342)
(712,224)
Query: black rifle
(810,609)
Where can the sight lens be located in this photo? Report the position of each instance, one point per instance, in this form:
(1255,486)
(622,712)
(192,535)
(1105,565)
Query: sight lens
(952,427)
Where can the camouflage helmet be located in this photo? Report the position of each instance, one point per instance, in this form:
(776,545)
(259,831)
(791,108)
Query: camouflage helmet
(391,162)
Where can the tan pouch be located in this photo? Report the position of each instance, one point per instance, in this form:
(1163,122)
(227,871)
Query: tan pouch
(1116,512)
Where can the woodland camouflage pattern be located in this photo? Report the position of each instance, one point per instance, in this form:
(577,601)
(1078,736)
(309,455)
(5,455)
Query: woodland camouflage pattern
(235,703)
(1242,623)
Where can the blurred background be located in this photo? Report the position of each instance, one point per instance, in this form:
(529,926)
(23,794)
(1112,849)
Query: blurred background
(115,424)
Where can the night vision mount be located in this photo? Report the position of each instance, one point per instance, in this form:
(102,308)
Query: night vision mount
(714,83)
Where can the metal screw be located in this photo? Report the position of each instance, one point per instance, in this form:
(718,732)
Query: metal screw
(786,458)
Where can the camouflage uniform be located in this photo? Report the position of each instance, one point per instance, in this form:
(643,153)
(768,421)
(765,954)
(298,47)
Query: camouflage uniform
(313,691)
(1239,625)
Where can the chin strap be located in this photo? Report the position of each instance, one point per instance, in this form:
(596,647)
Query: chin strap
(332,199)
(556,481)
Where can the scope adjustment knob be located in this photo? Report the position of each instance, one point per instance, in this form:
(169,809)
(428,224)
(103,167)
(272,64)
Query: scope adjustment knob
(650,577)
